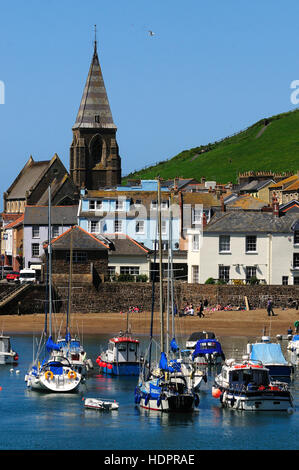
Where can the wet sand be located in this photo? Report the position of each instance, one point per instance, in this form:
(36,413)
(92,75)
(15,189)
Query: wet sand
(223,323)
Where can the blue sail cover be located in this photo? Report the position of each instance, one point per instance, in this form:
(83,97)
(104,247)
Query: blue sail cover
(207,346)
(295,338)
(267,353)
(163,363)
(173,345)
(51,346)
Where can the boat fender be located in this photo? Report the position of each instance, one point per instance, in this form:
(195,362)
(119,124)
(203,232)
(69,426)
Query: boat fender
(205,378)
(159,400)
(147,397)
(49,375)
(196,399)
(72,374)
(16,357)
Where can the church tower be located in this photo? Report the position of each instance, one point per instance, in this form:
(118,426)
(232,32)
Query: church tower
(94,159)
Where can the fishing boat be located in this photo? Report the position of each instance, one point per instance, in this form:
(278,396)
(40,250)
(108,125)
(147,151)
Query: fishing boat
(122,356)
(247,386)
(49,373)
(162,386)
(7,354)
(101,404)
(270,354)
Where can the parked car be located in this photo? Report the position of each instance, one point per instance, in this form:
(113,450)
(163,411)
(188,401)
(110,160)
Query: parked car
(13,276)
(4,270)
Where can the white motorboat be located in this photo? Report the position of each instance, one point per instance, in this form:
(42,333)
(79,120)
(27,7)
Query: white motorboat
(247,386)
(7,354)
(101,404)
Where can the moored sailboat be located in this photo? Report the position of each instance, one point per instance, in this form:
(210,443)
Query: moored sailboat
(48,373)
(161,385)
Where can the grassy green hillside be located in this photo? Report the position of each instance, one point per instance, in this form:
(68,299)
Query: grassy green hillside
(274,146)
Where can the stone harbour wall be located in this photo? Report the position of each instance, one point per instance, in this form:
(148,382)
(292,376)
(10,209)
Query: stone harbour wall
(119,296)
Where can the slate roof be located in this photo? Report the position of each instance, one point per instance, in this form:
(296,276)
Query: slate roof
(256,185)
(94,101)
(81,240)
(245,201)
(31,172)
(122,244)
(250,222)
(60,215)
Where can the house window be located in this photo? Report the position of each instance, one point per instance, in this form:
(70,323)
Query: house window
(154,204)
(55,231)
(250,272)
(119,205)
(164,205)
(35,250)
(296,260)
(224,273)
(195,242)
(296,237)
(78,257)
(118,226)
(195,274)
(99,205)
(139,227)
(164,227)
(224,243)
(111,270)
(92,205)
(35,231)
(196,216)
(93,226)
(250,243)
(129,270)
(97,118)
(296,280)
(285,280)
(138,202)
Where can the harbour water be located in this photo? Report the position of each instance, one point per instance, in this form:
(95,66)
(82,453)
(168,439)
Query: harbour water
(40,421)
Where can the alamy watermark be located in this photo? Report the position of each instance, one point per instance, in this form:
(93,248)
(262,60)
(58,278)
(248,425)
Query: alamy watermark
(2,92)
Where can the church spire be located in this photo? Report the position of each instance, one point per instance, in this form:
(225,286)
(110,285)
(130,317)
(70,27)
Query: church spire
(94,111)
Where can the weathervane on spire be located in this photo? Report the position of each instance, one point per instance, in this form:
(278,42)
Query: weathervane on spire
(95,38)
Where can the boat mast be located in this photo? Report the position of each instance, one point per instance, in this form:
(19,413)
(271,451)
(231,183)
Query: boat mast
(160,266)
(171,269)
(70,287)
(50,260)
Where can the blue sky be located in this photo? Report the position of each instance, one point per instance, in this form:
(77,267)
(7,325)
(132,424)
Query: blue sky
(211,69)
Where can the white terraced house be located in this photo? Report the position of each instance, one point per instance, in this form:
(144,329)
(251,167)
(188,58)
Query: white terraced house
(238,247)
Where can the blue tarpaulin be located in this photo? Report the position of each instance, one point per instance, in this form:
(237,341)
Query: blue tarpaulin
(295,338)
(205,346)
(267,353)
(163,363)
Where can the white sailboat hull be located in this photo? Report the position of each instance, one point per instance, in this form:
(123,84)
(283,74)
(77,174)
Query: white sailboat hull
(57,383)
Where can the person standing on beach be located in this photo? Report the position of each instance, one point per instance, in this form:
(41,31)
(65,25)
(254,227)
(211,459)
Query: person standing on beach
(270,308)
(200,310)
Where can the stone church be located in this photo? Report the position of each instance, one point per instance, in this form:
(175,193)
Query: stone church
(94,157)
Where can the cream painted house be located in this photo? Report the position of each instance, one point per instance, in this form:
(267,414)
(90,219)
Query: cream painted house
(238,247)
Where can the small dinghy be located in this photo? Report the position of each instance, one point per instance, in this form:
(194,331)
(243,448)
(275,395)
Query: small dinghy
(101,404)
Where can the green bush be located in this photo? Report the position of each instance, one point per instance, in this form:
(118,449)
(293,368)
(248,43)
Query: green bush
(210,280)
(141,278)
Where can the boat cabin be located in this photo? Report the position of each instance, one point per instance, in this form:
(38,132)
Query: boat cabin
(123,349)
(241,375)
(5,346)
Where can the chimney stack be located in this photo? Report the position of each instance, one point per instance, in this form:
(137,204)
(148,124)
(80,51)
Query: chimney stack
(275,206)
(223,208)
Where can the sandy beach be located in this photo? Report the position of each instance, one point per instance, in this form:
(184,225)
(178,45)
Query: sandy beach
(223,323)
